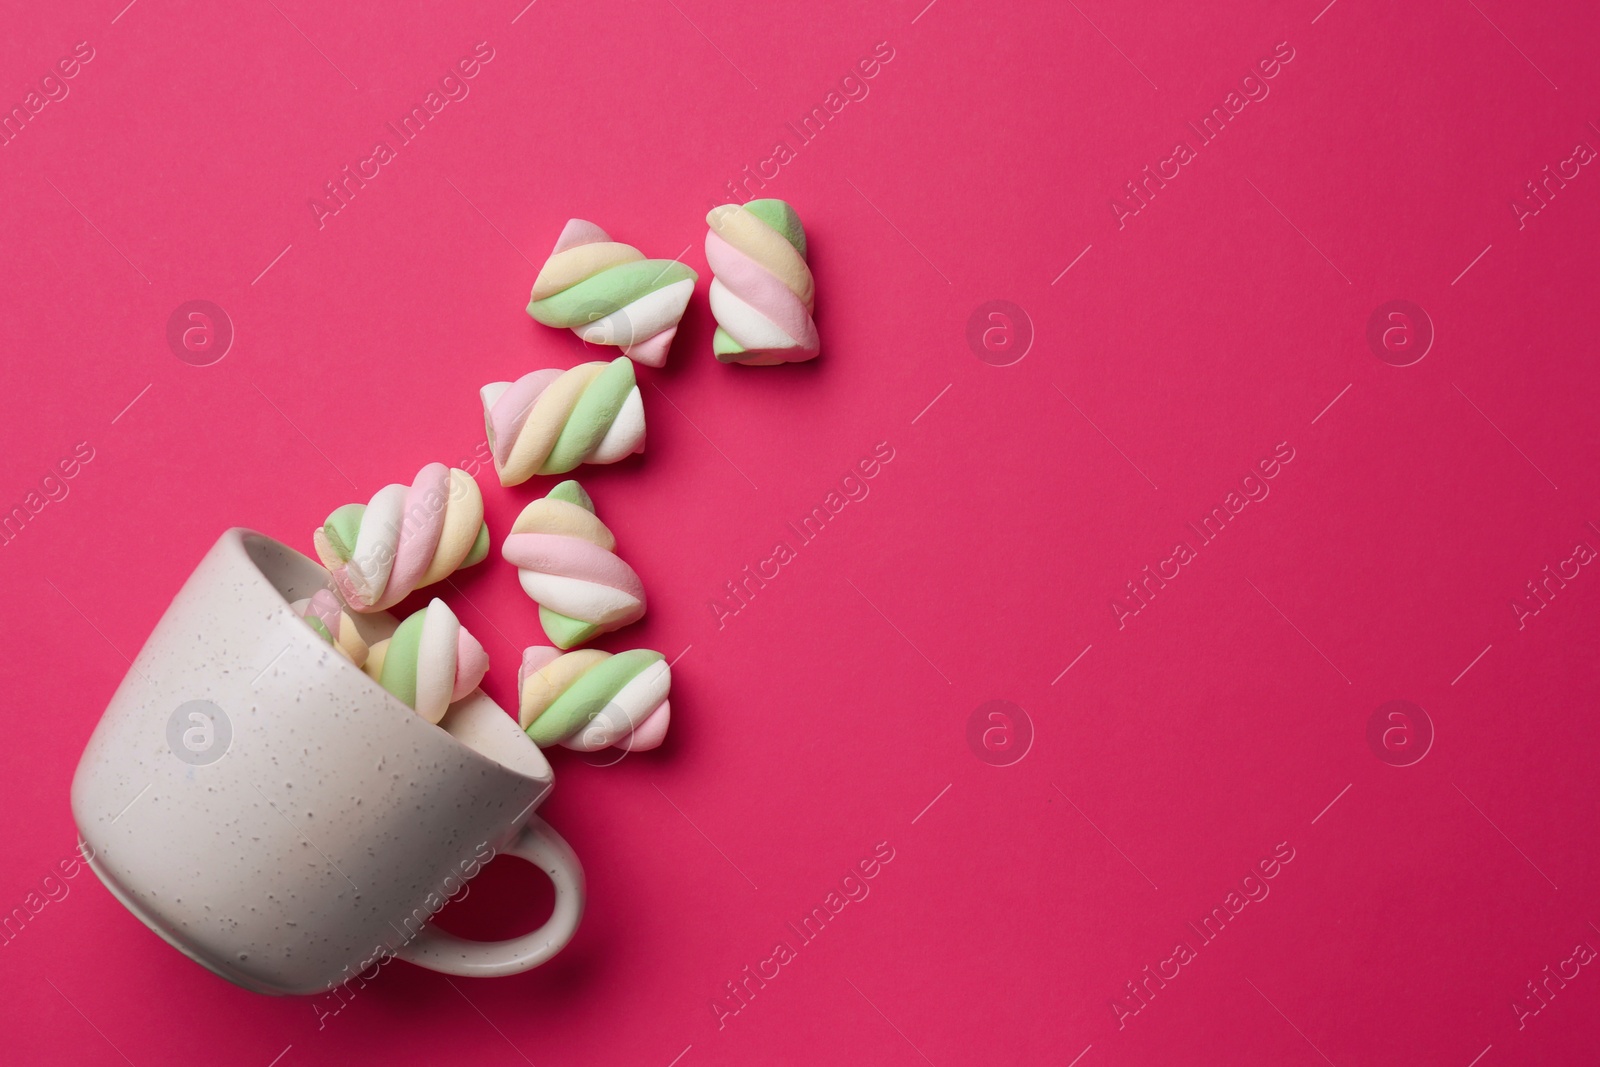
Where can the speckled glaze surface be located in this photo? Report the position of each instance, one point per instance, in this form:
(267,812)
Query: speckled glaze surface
(306,822)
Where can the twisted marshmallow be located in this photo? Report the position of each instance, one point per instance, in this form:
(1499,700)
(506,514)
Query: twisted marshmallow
(588,699)
(404,538)
(567,562)
(326,616)
(549,421)
(608,293)
(762,292)
(430,662)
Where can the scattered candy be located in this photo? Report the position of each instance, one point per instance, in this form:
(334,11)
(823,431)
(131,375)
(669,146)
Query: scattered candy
(762,292)
(607,293)
(589,699)
(404,538)
(549,421)
(567,561)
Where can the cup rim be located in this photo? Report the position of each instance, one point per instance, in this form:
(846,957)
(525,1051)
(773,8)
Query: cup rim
(238,538)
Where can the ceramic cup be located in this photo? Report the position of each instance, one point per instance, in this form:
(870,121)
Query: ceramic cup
(281,819)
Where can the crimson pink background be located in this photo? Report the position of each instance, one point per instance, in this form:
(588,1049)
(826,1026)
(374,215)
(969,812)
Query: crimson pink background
(828,714)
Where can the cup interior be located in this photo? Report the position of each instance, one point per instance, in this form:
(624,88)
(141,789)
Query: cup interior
(471,722)
(293,575)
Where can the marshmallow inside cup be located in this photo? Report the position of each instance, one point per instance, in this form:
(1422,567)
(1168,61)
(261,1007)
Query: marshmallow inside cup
(429,662)
(475,721)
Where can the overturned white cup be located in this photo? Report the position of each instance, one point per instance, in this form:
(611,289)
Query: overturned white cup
(281,819)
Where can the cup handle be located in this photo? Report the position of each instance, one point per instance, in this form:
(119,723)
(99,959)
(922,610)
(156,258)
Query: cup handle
(540,845)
